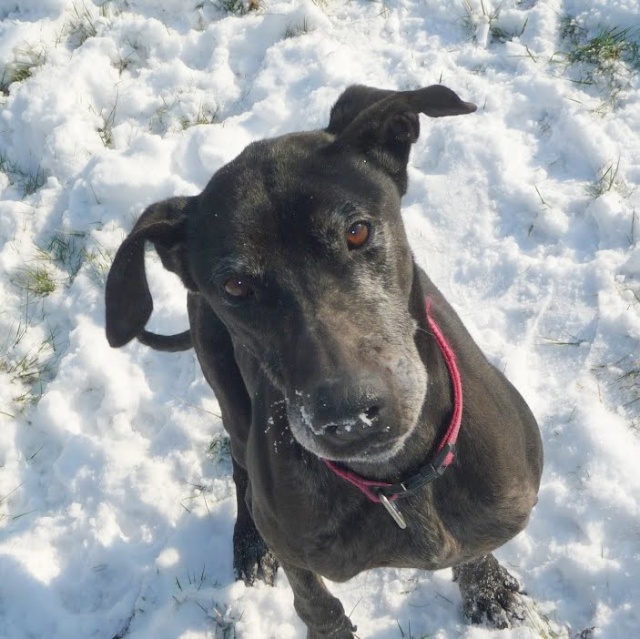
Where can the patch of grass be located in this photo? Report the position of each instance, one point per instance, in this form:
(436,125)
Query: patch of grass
(28,181)
(198,491)
(108,8)
(629,383)
(157,123)
(478,23)
(205,115)
(574,341)
(123,63)
(3,504)
(29,369)
(66,249)
(543,204)
(238,7)
(501,35)
(225,623)
(81,26)
(26,61)
(610,44)
(29,343)
(196,580)
(106,130)
(295,30)
(222,616)
(606,181)
(623,378)
(408,634)
(484,26)
(35,279)
(605,57)
(33,181)
(98,261)
(134,56)
(176,113)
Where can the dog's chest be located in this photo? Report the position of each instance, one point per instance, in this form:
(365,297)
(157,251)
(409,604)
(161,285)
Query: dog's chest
(318,521)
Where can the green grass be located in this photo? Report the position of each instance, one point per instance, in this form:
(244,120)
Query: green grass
(205,115)
(238,7)
(628,382)
(106,130)
(225,624)
(66,249)
(605,57)
(473,19)
(295,30)
(408,634)
(606,181)
(27,181)
(621,383)
(98,262)
(3,505)
(609,44)
(69,252)
(35,279)
(81,26)
(31,182)
(27,369)
(224,620)
(26,61)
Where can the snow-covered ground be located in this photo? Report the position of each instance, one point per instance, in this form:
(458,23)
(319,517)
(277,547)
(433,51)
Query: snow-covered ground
(116,503)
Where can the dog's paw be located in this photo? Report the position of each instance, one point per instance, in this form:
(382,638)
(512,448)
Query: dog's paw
(490,594)
(252,559)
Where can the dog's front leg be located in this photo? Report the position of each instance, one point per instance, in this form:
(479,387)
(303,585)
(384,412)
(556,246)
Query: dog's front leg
(252,559)
(489,593)
(317,607)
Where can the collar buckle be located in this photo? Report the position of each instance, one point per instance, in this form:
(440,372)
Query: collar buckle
(427,474)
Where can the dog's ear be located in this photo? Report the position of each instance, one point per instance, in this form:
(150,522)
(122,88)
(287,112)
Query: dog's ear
(384,124)
(128,300)
(352,101)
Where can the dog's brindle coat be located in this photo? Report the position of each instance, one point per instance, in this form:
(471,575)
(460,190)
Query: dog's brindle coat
(307,314)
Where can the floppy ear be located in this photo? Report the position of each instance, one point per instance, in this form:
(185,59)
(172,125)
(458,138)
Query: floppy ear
(128,300)
(384,124)
(352,101)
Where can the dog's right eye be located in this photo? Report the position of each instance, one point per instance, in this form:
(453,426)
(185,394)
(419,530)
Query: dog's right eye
(238,287)
(358,234)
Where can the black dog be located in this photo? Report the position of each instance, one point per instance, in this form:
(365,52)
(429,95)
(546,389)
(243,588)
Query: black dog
(347,383)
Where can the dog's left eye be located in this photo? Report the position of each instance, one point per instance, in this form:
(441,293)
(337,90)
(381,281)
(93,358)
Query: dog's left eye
(238,287)
(357,234)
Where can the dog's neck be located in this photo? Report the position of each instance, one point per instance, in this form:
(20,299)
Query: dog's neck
(385,492)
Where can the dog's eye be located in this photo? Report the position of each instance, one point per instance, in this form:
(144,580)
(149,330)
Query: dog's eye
(238,287)
(358,234)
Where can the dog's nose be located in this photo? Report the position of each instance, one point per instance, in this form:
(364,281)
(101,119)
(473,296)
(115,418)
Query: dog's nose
(342,412)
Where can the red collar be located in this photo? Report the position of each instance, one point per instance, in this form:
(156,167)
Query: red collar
(386,493)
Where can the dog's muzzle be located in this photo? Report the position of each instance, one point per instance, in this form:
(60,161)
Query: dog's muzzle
(341,413)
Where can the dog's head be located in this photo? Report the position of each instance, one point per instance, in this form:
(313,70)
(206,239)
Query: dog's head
(298,246)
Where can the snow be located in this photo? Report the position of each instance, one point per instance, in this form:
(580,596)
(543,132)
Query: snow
(116,503)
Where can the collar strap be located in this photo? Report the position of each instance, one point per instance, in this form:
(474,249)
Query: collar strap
(384,492)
